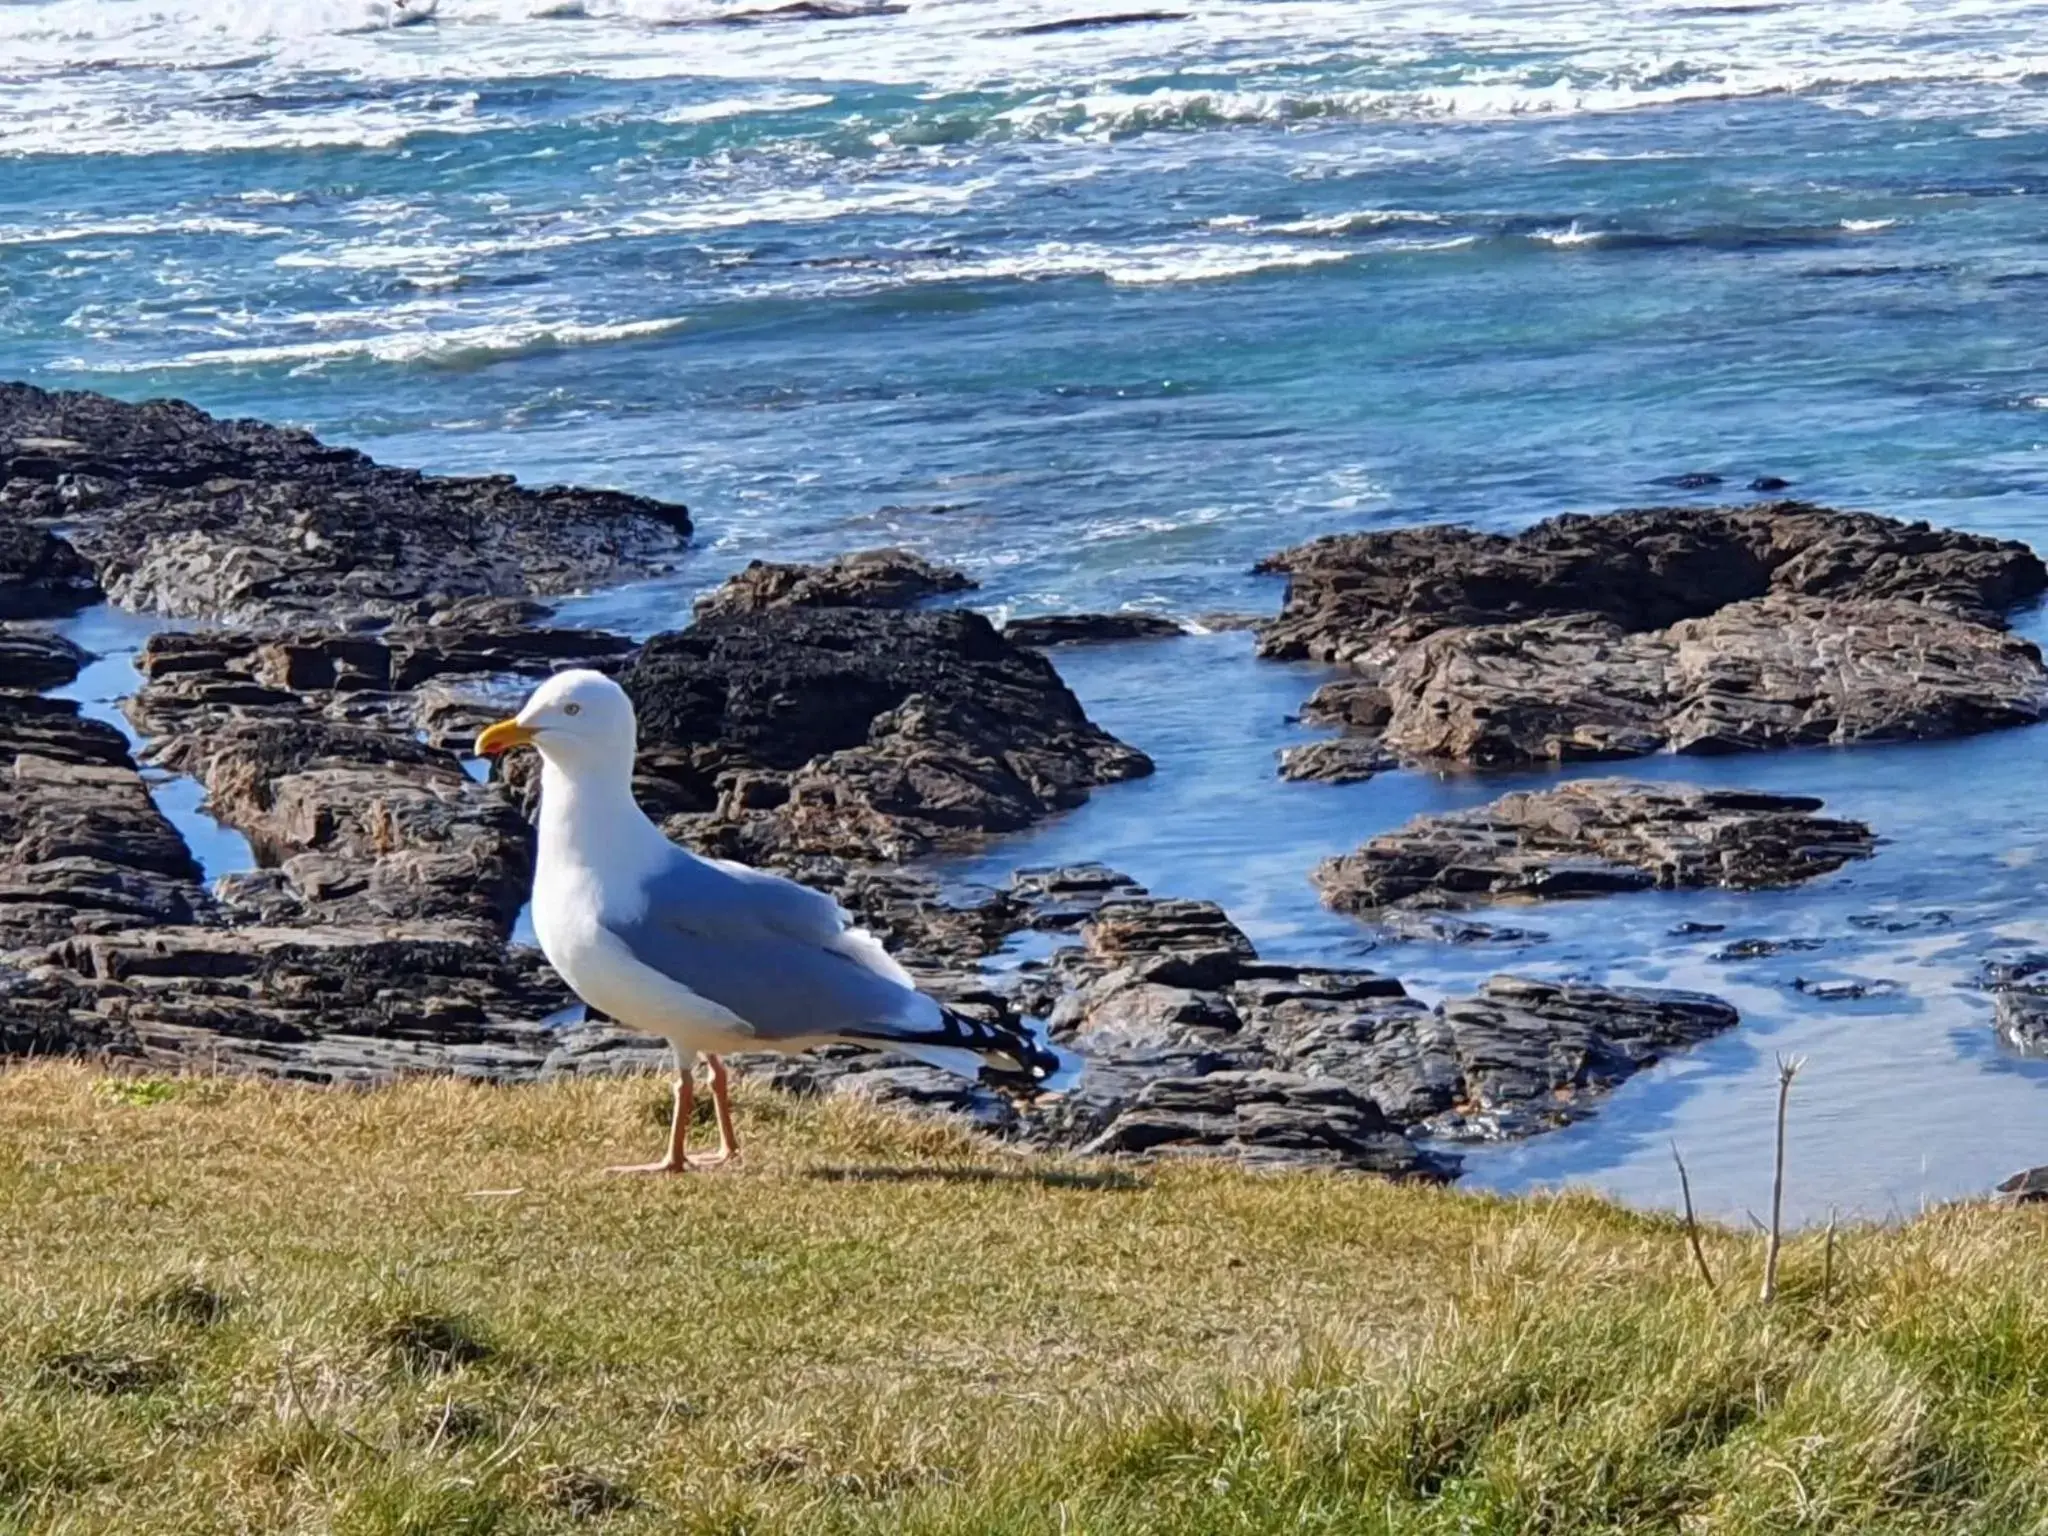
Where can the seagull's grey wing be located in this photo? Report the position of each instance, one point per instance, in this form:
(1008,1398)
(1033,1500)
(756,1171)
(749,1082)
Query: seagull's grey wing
(784,960)
(779,955)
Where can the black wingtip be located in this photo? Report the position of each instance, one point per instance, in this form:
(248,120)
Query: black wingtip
(1014,1059)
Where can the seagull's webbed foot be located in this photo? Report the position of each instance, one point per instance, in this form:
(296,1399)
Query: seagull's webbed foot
(666,1165)
(677,1159)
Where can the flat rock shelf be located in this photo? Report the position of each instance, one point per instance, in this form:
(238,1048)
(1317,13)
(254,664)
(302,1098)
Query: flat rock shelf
(1707,630)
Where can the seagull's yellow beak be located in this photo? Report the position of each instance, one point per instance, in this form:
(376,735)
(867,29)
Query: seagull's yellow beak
(502,737)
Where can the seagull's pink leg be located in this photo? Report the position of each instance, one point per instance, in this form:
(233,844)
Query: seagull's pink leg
(677,1160)
(721,1105)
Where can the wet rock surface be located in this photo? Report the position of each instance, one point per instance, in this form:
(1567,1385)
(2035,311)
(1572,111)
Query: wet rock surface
(326,1003)
(83,847)
(2019,996)
(1594,837)
(1193,1040)
(1095,23)
(1193,1044)
(1531,1051)
(1049,629)
(1341,760)
(33,660)
(370,939)
(875,578)
(2027,1187)
(443,679)
(1780,672)
(1365,596)
(172,511)
(816,722)
(1706,630)
(866,734)
(794,10)
(41,575)
(359,826)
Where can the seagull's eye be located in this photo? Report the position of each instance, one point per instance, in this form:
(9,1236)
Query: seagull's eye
(572,709)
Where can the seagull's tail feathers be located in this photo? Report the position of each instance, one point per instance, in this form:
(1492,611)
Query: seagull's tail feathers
(1005,1054)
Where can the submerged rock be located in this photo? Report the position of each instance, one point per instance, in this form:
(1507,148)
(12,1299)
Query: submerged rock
(1845,989)
(1424,926)
(1593,837)
(1763,949)
(177,512)
(875,578)
(1095,23)
(1342,760)
(793,10)
(1049,629)
(860,733)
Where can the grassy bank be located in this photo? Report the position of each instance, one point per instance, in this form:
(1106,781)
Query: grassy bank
(253,1308)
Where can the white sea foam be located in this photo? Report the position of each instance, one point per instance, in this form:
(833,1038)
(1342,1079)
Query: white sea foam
(744,106)
(1453,243)
(397,247)
(1867,226)
(1136,266)
(454,347)
(1292,61)
(1570,236)
(135,226)
(1356,222)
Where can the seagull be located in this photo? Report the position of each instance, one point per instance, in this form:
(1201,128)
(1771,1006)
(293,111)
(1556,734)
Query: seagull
(711,955)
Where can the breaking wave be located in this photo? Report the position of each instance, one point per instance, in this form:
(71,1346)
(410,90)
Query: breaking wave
(465,346)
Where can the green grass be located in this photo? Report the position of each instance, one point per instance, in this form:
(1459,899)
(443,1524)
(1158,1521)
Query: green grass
(247,1307)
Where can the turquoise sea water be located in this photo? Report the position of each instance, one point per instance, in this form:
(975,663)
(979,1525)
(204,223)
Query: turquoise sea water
(1103,315)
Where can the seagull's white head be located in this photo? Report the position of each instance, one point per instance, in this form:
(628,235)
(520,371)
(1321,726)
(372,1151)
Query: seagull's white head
(579,721)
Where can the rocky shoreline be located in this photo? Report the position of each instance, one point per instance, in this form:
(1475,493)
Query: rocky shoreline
(363,621)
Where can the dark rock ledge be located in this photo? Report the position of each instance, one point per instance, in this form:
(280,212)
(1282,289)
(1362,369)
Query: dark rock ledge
(874,578)
(1682,629)
(2019,995)
(859,733)
(83,848)
(1593,837)
(168,510)
(1049,629)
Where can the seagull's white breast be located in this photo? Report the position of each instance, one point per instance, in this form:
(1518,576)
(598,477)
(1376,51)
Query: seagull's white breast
(588,872)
